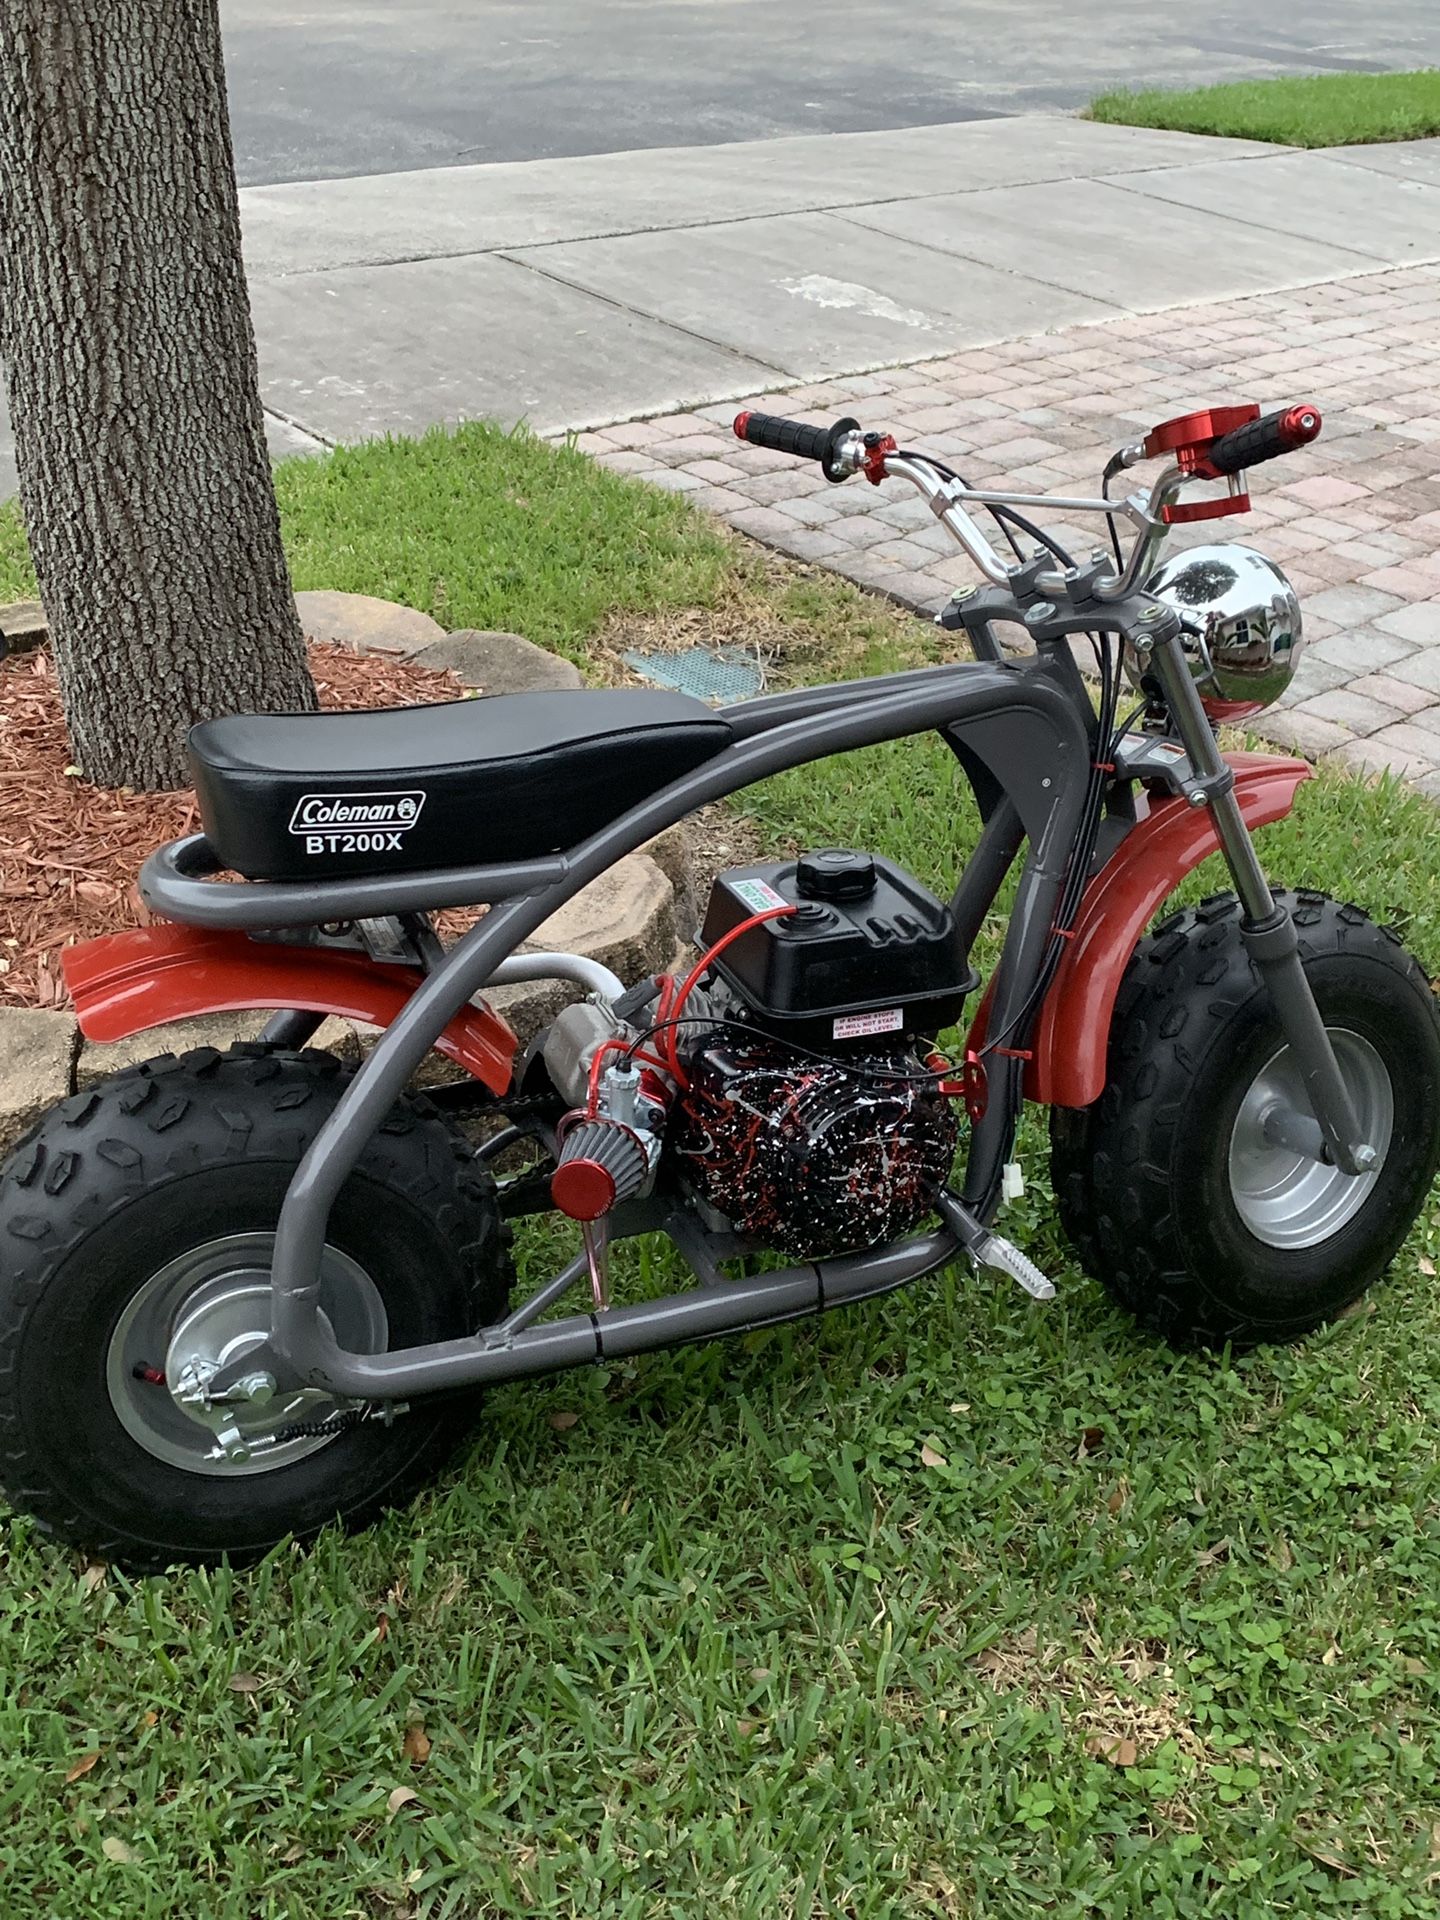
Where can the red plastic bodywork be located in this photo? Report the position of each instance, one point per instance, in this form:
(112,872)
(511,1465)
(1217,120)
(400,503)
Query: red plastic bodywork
(1072,1036)
(125,982)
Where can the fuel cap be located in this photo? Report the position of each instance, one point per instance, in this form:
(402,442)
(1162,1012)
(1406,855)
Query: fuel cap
(836,873)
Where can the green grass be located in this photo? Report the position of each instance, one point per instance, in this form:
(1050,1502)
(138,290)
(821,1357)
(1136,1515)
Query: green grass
(725,1646)
(17,576)
(1328,110)
(481,527)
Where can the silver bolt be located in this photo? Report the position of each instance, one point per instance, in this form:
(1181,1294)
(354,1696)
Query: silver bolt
(232,1443)
(257,1388)
(1365,1157)
(1197,797)
(1042,611)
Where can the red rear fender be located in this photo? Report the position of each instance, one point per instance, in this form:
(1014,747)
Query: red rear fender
(126,982)
(1072,1036)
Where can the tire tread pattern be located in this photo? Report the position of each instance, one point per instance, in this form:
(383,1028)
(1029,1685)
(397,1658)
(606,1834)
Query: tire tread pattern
(1111,1162)
(85,1160)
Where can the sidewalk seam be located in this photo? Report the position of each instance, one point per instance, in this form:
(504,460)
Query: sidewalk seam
(1259,226)
(838,207)
(642,313)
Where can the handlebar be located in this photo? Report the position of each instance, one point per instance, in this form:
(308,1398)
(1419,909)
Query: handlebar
(1213,443)
(1264,439)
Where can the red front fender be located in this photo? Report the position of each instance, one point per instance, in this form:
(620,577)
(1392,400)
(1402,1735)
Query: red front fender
(1072,1035)
(125,982)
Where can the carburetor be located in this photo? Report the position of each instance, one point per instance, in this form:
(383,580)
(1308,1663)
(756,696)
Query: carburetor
(609,1141)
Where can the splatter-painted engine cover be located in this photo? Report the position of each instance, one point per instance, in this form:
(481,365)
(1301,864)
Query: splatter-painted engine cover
(813,1157)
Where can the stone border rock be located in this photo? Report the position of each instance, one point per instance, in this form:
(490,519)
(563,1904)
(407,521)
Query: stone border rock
(22,626)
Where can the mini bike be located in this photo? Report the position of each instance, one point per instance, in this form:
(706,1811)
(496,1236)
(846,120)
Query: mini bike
(242,1292)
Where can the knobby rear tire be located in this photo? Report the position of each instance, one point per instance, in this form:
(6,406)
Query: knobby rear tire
(117,1181)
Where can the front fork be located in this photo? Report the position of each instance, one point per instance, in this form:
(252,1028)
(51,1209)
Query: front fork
(1331,1131)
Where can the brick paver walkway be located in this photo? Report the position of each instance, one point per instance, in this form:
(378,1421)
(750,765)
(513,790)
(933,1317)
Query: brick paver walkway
(1354,519)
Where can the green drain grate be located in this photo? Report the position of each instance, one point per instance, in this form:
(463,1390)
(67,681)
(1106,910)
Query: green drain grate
(706,673)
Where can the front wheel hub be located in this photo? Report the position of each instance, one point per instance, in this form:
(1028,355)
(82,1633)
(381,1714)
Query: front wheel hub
(1291,1199)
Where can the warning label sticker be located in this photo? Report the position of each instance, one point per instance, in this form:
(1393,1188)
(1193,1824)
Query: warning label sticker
(854,1026)
(758,895)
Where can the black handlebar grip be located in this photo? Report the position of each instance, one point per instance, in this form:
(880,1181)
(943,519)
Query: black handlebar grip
(794,436)
(1264,439)
(783,436)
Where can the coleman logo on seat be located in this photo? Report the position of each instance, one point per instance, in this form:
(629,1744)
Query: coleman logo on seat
(355,822)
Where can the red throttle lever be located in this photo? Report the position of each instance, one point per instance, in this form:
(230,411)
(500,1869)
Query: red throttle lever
(1219,441)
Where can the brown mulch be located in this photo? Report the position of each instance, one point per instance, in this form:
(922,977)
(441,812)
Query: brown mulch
(69,851)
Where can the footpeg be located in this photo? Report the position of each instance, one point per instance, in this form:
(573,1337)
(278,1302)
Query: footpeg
(989,1249)
(995,1251)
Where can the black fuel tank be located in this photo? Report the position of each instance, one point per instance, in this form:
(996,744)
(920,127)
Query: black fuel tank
(868,950)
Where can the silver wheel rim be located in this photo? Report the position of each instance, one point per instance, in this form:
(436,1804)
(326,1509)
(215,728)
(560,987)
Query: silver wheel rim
(1283,1198)
(214,1301)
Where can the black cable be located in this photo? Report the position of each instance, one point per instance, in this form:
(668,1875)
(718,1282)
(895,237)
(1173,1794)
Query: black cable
(1004,517)
(860,1070)
(1141,706)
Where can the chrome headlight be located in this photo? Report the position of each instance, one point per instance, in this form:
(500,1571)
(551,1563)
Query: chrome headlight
(1240,621)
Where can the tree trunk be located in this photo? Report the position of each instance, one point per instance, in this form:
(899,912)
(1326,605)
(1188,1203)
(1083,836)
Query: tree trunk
(130,364)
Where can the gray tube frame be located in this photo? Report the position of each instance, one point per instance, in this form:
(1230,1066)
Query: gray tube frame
(1030,724)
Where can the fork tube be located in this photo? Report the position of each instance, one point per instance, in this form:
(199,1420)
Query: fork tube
(1265,926)
(1215,780)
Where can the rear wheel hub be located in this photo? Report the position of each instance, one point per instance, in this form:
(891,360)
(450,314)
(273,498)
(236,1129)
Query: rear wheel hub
(205,1310)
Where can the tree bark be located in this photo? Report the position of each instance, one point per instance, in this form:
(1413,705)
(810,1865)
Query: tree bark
(129,359)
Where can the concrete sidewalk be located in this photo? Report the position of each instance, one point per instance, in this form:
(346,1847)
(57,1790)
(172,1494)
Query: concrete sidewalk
(571,293)
(574,293)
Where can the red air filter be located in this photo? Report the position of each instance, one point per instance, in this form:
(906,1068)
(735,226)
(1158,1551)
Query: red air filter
(601,1163)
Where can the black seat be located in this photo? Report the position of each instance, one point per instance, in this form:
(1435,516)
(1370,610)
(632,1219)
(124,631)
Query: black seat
(468,783)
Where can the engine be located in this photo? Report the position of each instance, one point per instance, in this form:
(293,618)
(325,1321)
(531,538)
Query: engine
(815,1157)
(811,1119)
(786,1087)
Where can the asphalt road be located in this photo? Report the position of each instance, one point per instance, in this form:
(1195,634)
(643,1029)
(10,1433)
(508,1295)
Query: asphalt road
(335,88)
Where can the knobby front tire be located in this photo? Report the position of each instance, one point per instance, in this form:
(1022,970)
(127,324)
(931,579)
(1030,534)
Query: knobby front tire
(1172,1195)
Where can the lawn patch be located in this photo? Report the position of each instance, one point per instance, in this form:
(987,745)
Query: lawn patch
(1323,110)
